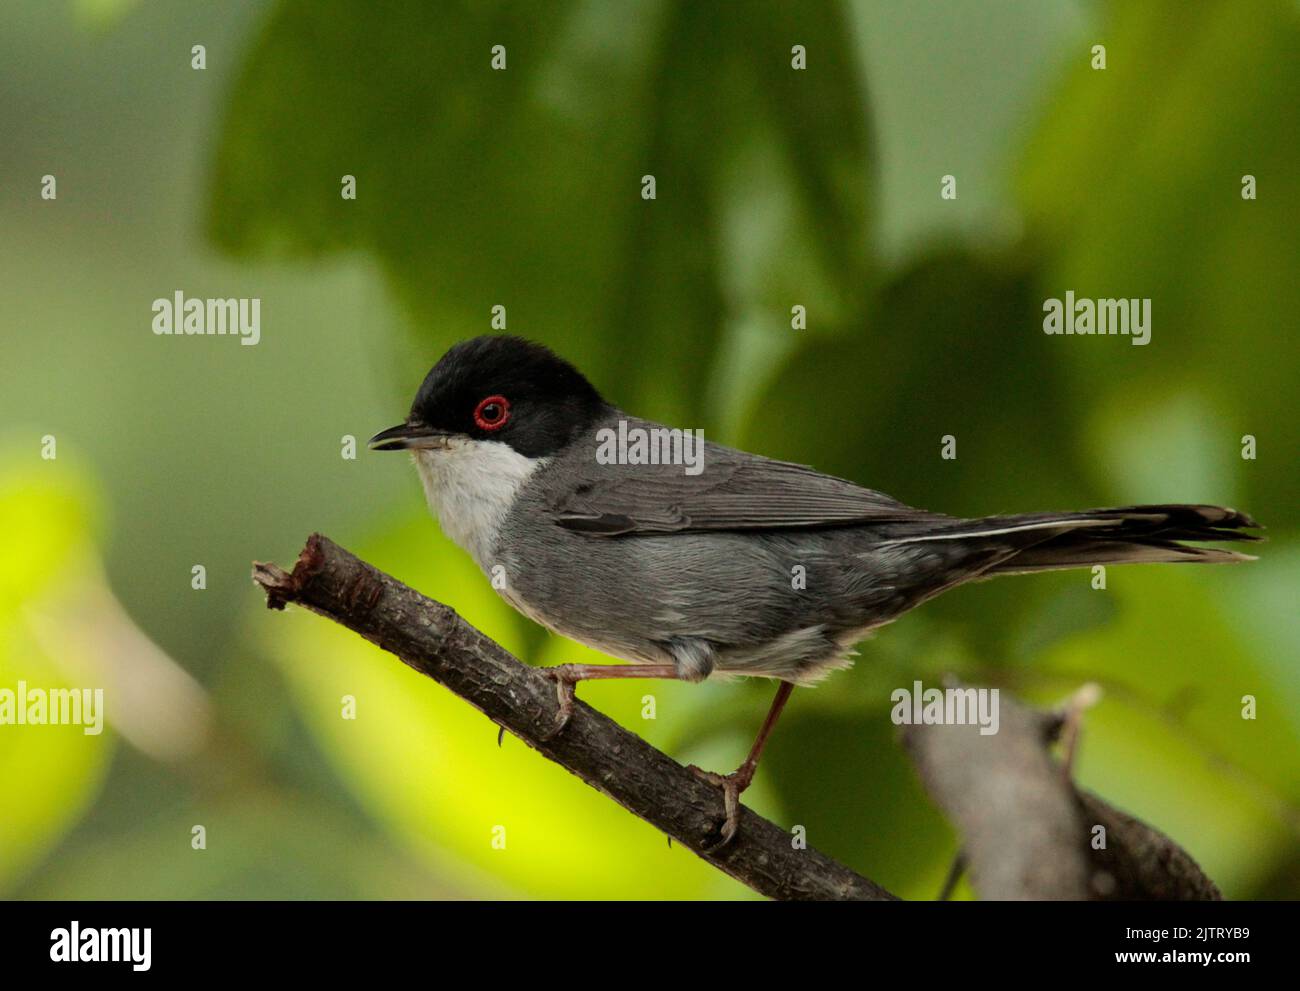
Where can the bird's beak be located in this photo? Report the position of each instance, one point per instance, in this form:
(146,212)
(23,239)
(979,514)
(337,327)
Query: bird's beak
(408,436)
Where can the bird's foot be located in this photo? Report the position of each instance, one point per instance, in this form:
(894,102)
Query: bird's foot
(565,677)
(732,786)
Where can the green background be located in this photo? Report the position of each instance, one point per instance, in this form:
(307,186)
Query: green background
(775,187)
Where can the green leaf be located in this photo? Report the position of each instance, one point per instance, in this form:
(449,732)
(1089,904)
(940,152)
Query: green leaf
(523,187)
(51,773)
(1132,188)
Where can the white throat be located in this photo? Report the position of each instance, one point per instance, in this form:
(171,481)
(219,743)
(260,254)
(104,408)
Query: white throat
(470,485)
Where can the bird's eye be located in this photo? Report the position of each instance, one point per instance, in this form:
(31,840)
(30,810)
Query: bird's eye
(492,413)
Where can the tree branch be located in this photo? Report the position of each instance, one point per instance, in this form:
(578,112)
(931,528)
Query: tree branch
(1029,832)
(429,637)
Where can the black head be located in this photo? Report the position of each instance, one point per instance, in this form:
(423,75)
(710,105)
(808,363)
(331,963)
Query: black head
(498,388)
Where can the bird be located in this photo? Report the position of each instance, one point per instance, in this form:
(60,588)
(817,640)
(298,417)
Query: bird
(684,570)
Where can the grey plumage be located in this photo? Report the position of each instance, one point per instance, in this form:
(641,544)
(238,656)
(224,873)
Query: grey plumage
(709,559)
(656,565)
(748,567)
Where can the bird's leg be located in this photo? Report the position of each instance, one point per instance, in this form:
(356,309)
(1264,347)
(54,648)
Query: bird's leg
(738,780)
(566,676)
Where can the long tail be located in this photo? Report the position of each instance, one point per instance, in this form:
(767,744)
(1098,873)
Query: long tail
(1120,535)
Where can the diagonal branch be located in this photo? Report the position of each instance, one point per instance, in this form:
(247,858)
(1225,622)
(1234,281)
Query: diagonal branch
(429,637)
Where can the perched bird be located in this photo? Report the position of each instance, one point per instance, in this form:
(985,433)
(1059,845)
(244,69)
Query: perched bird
(687,572)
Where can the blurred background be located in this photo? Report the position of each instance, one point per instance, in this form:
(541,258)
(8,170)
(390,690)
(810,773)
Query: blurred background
(522,188)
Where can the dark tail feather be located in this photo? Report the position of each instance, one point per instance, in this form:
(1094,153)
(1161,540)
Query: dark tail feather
(1122,535)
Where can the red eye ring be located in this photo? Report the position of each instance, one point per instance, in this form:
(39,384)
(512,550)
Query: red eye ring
(492,413)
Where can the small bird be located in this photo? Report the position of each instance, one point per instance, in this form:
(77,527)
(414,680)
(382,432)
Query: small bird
(688,575)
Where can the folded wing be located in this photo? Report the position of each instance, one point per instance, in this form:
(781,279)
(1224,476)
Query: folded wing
(730,493)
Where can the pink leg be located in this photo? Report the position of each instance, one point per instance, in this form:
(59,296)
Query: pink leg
(566,676)
(738,780)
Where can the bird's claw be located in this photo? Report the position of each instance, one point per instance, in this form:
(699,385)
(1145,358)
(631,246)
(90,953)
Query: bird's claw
(732,785)
(564,685)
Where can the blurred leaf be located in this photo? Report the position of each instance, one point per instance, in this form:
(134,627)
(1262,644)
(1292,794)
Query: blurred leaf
(945,351)
(259,844)
(1132,187)
(50,773)
(101,15)
(1167,444)
(951,348)
(522,187)
(848,782)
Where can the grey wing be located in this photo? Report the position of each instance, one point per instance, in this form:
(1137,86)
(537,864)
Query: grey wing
(734,491)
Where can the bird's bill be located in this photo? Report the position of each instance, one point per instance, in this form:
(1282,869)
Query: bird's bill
(408,437)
